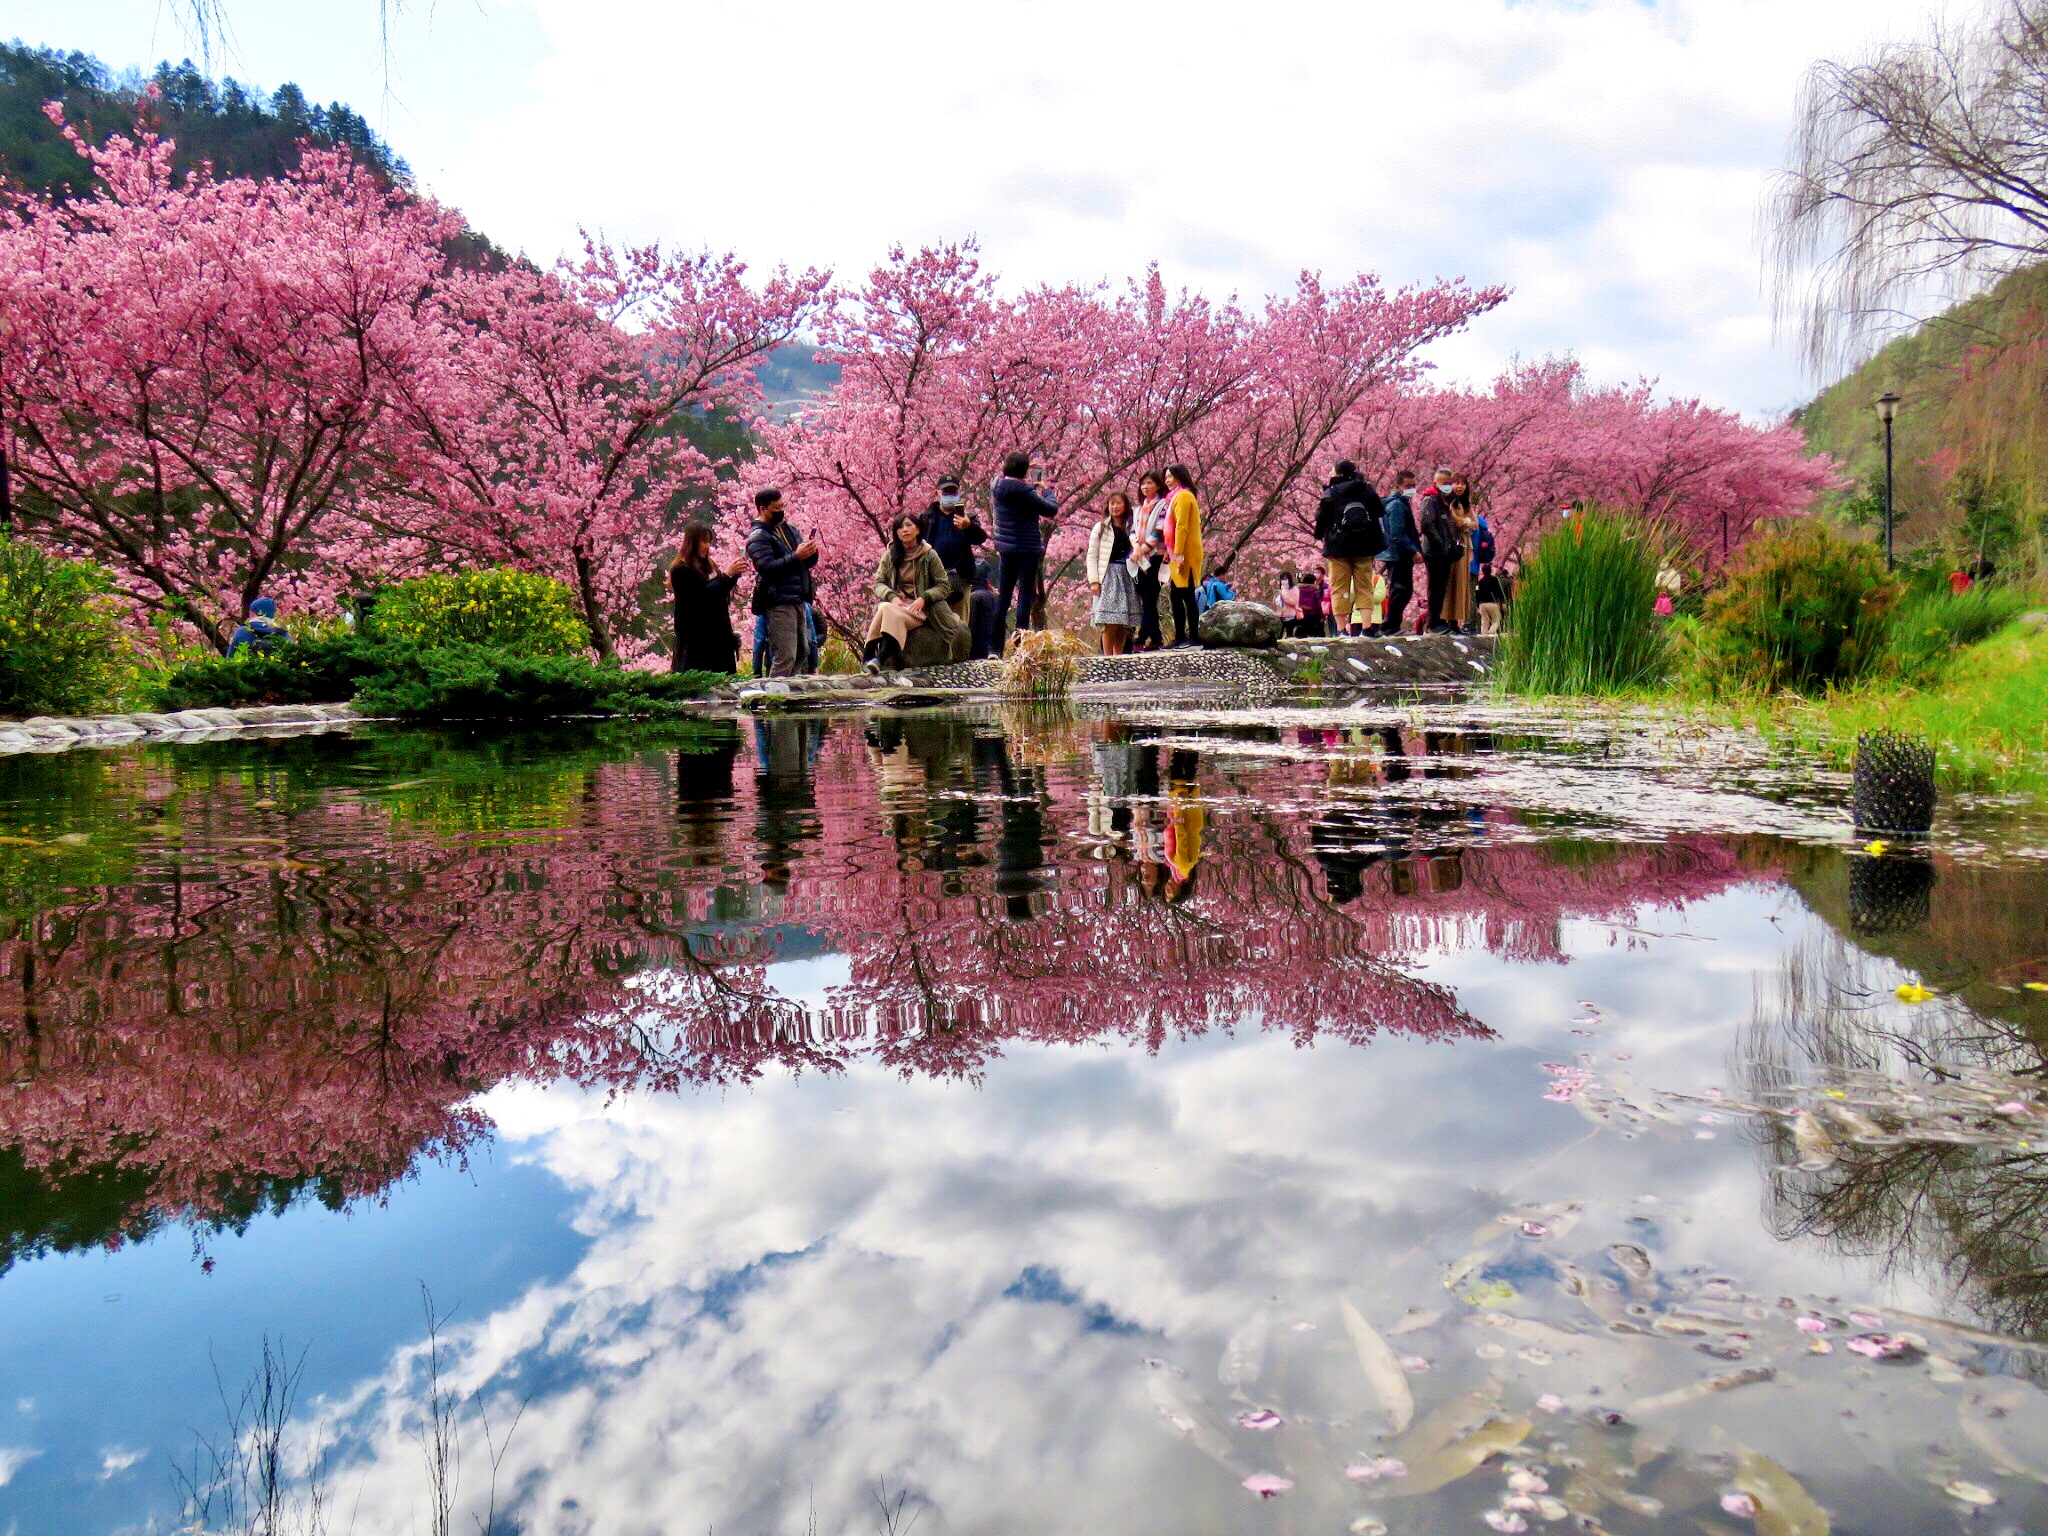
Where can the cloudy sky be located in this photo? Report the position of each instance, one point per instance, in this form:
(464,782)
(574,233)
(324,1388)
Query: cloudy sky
(1605,158)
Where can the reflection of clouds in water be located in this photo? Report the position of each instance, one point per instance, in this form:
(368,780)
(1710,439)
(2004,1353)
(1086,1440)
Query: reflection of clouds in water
(795,1291)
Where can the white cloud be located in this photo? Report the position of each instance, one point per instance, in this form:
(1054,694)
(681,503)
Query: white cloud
(118,1459)
(1605,158)
(12,1457)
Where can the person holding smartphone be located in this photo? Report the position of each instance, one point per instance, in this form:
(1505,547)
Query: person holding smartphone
(783,585)
(953,532)
(1025,510)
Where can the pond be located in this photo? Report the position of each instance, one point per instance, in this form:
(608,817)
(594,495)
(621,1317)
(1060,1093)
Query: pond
(1151,1118)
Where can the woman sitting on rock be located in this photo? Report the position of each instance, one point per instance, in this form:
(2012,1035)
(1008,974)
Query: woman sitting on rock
(911,588)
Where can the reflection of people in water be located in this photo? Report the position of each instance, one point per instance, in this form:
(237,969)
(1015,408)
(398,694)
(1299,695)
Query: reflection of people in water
(1185,821)
(704,791)
(1020,875)
(1342,830)
(785,800)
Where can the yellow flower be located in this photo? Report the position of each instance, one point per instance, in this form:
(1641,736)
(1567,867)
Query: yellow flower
(1911,992)
(1876,848)
(2036,986)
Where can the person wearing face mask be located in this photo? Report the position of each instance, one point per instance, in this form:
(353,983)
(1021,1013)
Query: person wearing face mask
(1442,547)
(953,532)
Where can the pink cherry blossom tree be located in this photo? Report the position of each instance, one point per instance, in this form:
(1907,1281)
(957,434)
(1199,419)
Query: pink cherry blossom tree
(556,428)
(198,373)
(942,372)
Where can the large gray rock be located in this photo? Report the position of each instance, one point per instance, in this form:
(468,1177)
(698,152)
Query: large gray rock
(1241,625)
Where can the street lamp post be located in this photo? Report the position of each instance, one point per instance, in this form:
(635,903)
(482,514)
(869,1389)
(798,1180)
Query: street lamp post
(1887,409)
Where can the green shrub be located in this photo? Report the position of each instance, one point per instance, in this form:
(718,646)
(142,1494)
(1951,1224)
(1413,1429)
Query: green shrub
(509,610)
(1801,607)
(322,671)
(62,646)
(1928,628)
(443,682)
(474,682)
(1583,619)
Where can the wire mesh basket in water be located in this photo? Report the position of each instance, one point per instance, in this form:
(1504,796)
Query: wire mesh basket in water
(1894,783)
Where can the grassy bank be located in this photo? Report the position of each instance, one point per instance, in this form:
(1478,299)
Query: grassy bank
(1987,715)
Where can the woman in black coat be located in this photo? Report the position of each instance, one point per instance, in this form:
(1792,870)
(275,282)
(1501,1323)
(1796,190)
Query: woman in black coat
(705,641)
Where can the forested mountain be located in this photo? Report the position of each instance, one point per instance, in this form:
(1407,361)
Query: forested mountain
(1972,428)
(241,131)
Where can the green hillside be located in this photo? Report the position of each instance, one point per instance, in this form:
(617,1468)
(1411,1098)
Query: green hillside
(241,131)
(1972,431)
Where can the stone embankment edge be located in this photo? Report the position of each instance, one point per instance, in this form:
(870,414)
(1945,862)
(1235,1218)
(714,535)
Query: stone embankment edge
(54,733)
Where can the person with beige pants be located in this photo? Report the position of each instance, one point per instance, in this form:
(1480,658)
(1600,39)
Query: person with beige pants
(1348,525)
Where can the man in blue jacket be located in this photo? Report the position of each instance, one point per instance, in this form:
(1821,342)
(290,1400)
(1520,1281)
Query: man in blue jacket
(1021,506)
(1397,560)
(783,561)
(953,531)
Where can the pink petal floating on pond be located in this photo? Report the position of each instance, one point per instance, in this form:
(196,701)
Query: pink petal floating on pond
(1740,1505)
(1266,1485)
(2014,1108)
(1535,1229)
(1810,1324)
(1373,1468)
(1882,1346)
(1866,1319)
(1501,1520)
(1303,1327)
(1260,1418)
(1414,1365)
(1550,1402)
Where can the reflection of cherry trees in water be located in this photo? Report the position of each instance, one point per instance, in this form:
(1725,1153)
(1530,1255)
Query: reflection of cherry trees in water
(311,977)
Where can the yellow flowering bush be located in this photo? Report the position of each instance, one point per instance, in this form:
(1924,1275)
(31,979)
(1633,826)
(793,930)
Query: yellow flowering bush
(62,647)
(508,610)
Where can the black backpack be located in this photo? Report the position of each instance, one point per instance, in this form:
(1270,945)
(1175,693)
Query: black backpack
(1359,531)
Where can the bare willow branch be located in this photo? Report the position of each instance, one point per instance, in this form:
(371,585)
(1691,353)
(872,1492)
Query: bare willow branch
(1918,176)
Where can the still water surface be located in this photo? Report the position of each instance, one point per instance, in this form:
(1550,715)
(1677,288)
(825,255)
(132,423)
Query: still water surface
(1137,1121)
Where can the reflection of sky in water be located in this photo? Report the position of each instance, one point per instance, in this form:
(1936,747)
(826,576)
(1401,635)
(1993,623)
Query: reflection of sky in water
(732,1306)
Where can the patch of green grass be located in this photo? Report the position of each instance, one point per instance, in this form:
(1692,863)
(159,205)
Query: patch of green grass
(1987,716)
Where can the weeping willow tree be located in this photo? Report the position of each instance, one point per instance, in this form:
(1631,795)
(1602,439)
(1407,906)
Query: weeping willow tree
(1917,177)
(1916,173)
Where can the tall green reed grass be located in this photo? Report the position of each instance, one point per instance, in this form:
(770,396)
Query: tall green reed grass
(1583,618)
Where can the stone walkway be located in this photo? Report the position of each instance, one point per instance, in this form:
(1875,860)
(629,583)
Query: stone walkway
(55,733)
(1407,661)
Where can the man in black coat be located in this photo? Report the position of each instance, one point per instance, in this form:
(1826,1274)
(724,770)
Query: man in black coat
(953,531)
(1348,523)
(1440,551)
(1024,509)
(783,561)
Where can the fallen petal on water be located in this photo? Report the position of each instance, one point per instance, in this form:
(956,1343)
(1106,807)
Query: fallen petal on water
(1550,1402)
(1970,1493)
(1740,1505)
(1414,1365)
(1260,1418)
(1810,1324)
(1267,1485)
(1502,1520)
(1365,1525)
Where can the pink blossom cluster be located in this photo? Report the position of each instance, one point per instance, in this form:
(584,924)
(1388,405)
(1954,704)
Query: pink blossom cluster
(220,387)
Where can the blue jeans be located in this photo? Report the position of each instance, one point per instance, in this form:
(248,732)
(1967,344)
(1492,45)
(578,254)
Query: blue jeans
(1020,575)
